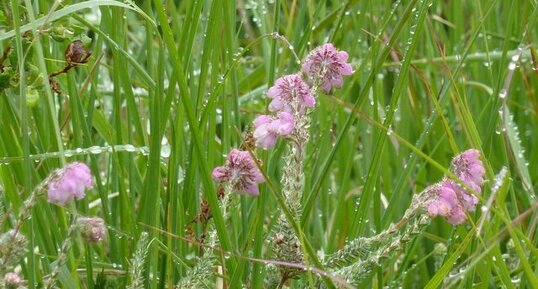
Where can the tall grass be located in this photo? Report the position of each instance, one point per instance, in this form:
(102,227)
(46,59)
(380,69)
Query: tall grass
(172,86)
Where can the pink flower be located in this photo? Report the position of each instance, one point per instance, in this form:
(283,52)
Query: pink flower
(290,93)
(241,172)
(469,169)
(328,65)
(452,201)
(446,202)
(268,128)
(69,182)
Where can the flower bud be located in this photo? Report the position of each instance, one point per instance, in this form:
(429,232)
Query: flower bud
(93,230)
(76,53)
(241,172)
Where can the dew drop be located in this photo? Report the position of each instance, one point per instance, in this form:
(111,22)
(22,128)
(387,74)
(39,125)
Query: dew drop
(503,93)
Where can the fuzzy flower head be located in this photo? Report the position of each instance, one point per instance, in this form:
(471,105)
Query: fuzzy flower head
(327,65)
(469,169)
(451,200)
(241,172)
(69,182)
(445,202)
(268,129)
(93,230)
(290,93)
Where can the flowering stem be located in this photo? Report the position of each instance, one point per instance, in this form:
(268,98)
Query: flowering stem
(293,179)
(62,257)
(23,215)
(225,202)
(360,270)
(360,248)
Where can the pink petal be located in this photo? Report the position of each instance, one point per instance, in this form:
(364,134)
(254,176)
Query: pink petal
(273,92)
(342,56)
(252,189)
(257,176)
(284,124)
(220,174)
(309,101)
(306,67)
(469,202)
(261,120)
(326,86)
(264,138)
(55,196)
(337,82)
(277,104)
(457,216)
(346,69)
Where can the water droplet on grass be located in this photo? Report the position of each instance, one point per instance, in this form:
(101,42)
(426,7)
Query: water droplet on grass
(503,93)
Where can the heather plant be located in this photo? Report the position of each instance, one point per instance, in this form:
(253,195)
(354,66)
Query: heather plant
(268,144)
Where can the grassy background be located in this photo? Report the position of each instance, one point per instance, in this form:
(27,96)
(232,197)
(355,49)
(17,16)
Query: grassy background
(172,85)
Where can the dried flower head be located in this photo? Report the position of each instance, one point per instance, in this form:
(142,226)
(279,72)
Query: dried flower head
(268,128)
(69,182)
(76,53)
(327,65)
(93,230)
(241,172)
(290,93)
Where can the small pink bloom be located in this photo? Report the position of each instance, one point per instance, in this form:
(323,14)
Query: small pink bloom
(469,168)
(452,200)
(265,137)
(328,65)
(69,182)
(290,93)
(219,174)
(457,216)
(241,171)
(283,124)
(446,203)
(267,128)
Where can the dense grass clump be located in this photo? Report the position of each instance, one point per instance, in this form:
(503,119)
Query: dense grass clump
(268,144)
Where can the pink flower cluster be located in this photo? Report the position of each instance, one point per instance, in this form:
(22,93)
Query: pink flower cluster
(469,169)
(291,95)
(452,201)
(68,183)
(328,65)
(241,172)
